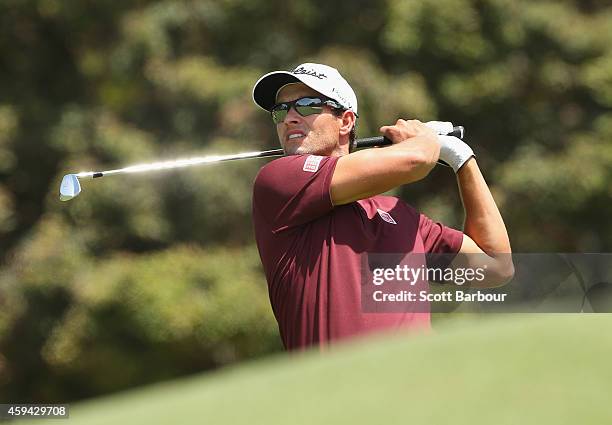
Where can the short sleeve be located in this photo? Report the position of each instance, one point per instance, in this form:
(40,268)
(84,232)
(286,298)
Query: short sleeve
(293,190)
(438,238)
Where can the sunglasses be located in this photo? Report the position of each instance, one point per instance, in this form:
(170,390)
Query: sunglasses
(304,106)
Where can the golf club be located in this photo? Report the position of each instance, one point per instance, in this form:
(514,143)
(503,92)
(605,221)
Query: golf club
(71,186)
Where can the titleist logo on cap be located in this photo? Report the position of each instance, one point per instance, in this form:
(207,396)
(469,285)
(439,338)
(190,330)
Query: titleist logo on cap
(311,72)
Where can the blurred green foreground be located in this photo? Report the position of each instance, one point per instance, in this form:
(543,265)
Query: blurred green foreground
(509,370)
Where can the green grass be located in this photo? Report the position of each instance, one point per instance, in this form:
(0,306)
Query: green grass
(553,369)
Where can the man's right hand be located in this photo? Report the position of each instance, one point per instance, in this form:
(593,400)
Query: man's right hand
(404,130)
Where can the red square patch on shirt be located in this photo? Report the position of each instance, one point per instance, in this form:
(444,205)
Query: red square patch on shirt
(312,163)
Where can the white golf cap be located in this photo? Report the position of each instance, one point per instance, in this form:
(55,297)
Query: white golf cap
(322,78)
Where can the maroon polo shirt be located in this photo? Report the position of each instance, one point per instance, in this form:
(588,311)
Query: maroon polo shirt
(311,250)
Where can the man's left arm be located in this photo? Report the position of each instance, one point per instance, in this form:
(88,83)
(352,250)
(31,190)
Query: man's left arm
(484,230)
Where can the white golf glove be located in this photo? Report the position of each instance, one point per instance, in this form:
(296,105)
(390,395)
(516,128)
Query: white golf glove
(454,151)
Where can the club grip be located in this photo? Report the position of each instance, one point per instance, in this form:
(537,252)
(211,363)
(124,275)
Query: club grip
(370,142)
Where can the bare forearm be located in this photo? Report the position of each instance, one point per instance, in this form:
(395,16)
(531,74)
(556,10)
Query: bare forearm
(373,171)
(422,154)
(483,221)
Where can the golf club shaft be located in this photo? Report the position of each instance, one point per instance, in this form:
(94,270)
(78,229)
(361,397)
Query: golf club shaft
(180,163)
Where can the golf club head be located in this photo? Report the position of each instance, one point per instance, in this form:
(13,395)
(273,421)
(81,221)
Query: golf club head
(70,187)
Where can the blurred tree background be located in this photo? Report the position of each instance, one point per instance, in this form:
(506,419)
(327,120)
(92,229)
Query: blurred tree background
(146,278)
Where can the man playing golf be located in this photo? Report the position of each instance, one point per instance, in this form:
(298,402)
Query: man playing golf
(318,209)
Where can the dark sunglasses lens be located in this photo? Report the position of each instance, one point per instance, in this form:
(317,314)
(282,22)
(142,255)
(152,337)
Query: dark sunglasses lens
(304,106)
(309,106)
(309,101)
(308,110)
(279,115)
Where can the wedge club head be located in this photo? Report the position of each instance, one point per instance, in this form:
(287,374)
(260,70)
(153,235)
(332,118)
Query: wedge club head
(70,187)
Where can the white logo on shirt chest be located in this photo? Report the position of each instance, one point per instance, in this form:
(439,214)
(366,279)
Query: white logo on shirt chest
(385,216)
(312,163)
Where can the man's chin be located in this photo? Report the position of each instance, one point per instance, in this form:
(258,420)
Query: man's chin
(304,149)
(297,150)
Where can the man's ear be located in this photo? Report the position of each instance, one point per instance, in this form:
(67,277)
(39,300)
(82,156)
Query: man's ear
(348,122)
